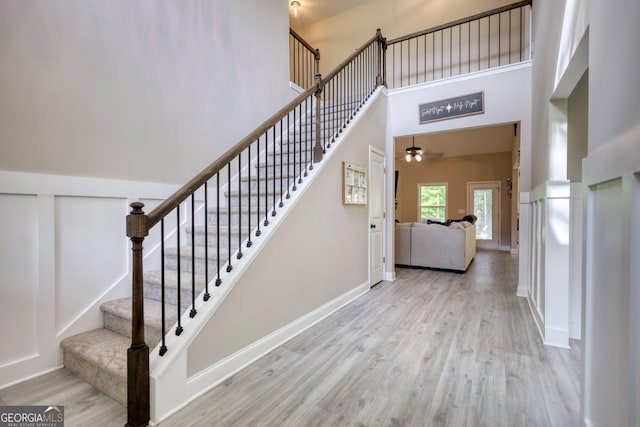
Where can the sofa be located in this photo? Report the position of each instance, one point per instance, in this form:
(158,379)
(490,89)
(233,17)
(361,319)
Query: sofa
(450,246)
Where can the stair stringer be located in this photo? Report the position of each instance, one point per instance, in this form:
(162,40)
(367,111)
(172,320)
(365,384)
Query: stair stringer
(171,387)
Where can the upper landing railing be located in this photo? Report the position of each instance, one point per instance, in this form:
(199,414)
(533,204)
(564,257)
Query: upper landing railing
(487,40)
(304,61)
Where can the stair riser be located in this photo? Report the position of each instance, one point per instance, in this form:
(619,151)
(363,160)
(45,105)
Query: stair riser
(276,161)
(236,219)
(243,201)
(171,263)
(265,184)
(154,291)
(291,169)
(307,143)
(289,153)
(267,172)
(122,326)
(212,238)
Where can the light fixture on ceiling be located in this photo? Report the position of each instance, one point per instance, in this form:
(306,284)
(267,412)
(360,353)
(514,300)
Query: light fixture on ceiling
(413,152)
(295,8)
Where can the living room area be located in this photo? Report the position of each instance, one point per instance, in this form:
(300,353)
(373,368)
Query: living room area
(455,183)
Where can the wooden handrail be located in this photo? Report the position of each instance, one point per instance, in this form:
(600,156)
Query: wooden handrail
(302,41)
(164,208)
(462,21)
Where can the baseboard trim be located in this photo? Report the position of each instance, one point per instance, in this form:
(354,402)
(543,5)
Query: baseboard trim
(390,276)
(505,248)
(522,292)
(204,381)
(556,337)
(575,330)
(536,318)
(515,251)
(30,377)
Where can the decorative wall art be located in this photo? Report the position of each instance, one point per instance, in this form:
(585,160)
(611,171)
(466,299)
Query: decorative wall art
(459,106)
(354,184)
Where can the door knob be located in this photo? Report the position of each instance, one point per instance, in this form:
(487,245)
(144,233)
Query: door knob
(373,226)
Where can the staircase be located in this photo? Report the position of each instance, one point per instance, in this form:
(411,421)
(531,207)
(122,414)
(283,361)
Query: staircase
(100,356)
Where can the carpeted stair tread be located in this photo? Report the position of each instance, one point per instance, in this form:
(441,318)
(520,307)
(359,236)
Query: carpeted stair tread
(152,311)
(99,357)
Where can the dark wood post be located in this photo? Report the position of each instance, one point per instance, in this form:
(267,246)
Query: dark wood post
(382,66)
(138,353)
(317,62)
(317,149)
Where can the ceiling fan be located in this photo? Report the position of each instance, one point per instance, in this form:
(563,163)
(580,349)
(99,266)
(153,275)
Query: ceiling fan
(415,153)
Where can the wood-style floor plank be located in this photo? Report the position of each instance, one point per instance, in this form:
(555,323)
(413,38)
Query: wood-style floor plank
(432,348)
(83,404)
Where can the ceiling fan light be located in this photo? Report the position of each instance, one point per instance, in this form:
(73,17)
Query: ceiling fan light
(418,157)
(408,157)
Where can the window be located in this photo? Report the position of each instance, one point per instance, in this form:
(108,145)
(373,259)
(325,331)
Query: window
(432,201)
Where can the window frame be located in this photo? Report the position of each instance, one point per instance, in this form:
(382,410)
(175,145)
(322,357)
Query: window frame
(446,201)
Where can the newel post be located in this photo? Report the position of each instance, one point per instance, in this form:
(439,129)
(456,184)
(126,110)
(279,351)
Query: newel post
(316,55)
(138,353)
(317,149)
(382,65)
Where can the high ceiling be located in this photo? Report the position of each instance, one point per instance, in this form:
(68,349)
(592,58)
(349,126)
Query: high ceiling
(312,11)
(464,142)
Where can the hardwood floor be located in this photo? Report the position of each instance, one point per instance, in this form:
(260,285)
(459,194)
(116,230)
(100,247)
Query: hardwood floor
(83,404)
(432,348)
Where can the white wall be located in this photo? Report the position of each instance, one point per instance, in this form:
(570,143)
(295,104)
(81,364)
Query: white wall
(149,91)
(64,252)
(314,259)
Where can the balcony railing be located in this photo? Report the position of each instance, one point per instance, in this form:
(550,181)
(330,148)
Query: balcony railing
(488,40)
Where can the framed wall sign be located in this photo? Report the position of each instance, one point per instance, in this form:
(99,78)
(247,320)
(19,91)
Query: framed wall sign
(354,184)
(459,106)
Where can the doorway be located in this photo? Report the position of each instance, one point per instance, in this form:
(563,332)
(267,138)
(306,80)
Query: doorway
(484,202)
(376,216)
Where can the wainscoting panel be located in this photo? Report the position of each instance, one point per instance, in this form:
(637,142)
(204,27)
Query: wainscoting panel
(91,253)
(576,222)
(18,277)
(64,251)
(608,304)
(549,269)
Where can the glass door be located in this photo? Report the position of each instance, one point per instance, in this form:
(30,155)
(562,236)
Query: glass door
(484,202)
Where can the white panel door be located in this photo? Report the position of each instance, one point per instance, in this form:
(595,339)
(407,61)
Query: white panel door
(376,216)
